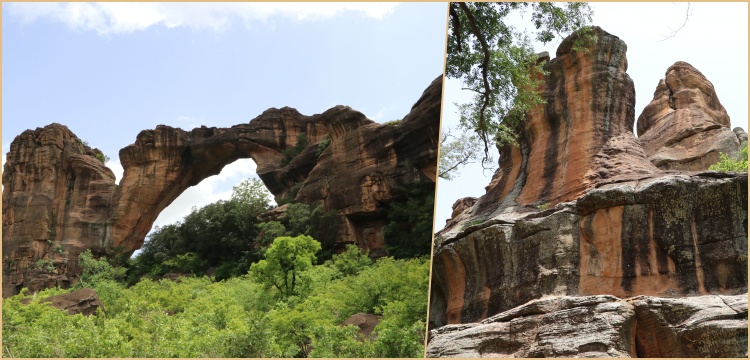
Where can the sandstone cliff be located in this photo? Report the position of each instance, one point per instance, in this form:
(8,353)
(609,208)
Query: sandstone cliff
(60,200)
(579,216)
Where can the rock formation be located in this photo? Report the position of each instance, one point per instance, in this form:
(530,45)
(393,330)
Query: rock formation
(685,127)
(576,220)
(60,200)
(83,301)
(603,326)
(366,324)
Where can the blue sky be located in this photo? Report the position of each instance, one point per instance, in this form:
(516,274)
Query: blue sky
(109,70)
(714,40)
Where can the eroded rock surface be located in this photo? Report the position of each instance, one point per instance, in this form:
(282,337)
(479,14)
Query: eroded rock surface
(56,198)
(60,200)
(579,209)
(703,326)
(685,127)
(603,326)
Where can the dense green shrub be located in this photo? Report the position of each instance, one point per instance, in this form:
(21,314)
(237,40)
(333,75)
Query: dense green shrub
(732,163)
(238,317)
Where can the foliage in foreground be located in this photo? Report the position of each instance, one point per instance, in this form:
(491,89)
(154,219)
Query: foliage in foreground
(238,317)
(737,162)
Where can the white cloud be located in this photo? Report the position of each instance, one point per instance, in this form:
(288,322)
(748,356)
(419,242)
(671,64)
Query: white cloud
(189,122)
(116,18)
(380,114)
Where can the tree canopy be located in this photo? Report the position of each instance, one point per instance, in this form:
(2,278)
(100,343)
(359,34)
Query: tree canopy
(284,260)
(496,61)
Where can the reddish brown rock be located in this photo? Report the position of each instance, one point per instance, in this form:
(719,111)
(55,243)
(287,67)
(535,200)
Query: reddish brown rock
(59,200)
(685,127)
(581,138)
(83,301)
(362,171)
(578,210)
(55,200)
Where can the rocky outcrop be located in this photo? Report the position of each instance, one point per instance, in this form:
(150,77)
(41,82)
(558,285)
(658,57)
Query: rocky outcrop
(83,301)
(362,171)
(56,198)
(366,324)
(685,127)
(703,326)
(578,210)
(580,139)
(60,200)
(603,326)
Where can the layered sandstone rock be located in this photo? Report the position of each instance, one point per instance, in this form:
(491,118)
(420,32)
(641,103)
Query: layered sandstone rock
(362,171)
(685,127)
(581,138)
(59,200)
(577,209)
(56,197)
(603,326)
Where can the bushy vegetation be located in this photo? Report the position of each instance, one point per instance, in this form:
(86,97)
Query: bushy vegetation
(221,236)
(247,289)
(732,163)
(237,317)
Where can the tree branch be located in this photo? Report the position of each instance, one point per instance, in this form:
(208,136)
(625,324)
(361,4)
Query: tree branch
(688,13)
(481,125)
(456,23)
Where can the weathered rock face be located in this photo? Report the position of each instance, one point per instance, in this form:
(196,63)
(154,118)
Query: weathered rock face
(83,301)
(685,127)
(593,326)
(577,209)
(363,170)
(703,326)
(59,200)
(603,326)
(55,205)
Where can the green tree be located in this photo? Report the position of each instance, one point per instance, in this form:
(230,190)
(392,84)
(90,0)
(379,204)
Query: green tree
(409,231)
(284,260)
(497,62)
(94,271)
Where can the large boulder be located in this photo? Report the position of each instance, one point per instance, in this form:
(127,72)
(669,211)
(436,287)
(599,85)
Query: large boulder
(83,301)
(60,200)
(366,324)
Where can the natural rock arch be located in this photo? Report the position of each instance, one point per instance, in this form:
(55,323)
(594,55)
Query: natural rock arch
(60,200)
